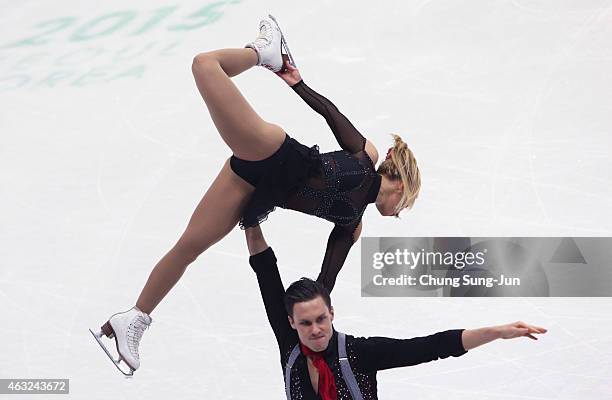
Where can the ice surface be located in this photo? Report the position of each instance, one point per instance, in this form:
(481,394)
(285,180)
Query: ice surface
(106,147)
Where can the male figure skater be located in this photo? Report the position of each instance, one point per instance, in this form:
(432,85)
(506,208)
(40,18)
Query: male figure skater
(320,363)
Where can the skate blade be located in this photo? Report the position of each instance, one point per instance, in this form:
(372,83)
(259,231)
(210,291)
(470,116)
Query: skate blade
(283,41)
(110,356)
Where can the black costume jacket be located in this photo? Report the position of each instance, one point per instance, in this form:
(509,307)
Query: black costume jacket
(366,355)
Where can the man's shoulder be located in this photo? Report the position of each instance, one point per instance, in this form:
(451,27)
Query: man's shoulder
(288,344)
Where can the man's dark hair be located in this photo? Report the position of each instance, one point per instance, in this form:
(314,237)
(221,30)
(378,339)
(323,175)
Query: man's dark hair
(305,290)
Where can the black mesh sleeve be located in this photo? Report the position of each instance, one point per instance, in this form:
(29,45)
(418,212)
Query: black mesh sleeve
(338,245)
(346,134)
(378,353)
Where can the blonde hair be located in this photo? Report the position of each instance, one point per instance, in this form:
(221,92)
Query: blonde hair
(402,165)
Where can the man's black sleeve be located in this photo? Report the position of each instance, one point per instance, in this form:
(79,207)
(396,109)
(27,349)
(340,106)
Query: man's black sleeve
(272,293)
(379,353)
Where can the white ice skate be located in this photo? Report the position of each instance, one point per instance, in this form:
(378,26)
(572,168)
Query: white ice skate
(127,329)
(269,45)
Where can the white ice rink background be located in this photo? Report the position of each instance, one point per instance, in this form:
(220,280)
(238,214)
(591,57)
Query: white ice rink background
(106,147)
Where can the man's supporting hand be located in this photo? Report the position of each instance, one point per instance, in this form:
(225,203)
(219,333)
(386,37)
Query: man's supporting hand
(255,240)
(475,337)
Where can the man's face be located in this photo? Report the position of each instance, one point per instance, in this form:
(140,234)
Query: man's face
(313,321)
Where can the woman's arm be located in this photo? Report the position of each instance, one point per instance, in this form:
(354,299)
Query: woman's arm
(339,244)
(349,138)
(472,338)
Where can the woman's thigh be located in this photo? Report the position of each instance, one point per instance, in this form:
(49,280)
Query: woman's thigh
(241,128)
(217,213)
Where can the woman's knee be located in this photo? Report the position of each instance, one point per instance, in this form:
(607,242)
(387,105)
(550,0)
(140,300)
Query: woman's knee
(203,61)
(191,246)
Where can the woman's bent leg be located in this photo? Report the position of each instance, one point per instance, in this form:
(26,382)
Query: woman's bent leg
(215,216)
(246,133)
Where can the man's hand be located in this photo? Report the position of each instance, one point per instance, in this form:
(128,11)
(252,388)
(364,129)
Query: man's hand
(255,240)
(476,337)
(518,329)
(289,73)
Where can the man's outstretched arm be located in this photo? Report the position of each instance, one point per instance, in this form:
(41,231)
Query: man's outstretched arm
(379,353)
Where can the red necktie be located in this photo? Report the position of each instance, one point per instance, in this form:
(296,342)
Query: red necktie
(327,384)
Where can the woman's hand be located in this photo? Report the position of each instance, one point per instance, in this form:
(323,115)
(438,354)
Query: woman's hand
(289,73)
(518,329)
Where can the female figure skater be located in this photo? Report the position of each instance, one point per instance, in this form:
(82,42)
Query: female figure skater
(269,169)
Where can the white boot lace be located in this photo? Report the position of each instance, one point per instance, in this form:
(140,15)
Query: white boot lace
(265,33)
(134,334)
(264,40)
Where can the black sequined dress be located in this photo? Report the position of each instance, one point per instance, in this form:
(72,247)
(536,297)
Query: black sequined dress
(335,186)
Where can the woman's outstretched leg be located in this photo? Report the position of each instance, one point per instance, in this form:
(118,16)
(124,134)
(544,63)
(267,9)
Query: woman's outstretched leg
(246,133)
(238,124)
(217,213)
(221,207)
(214,217)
